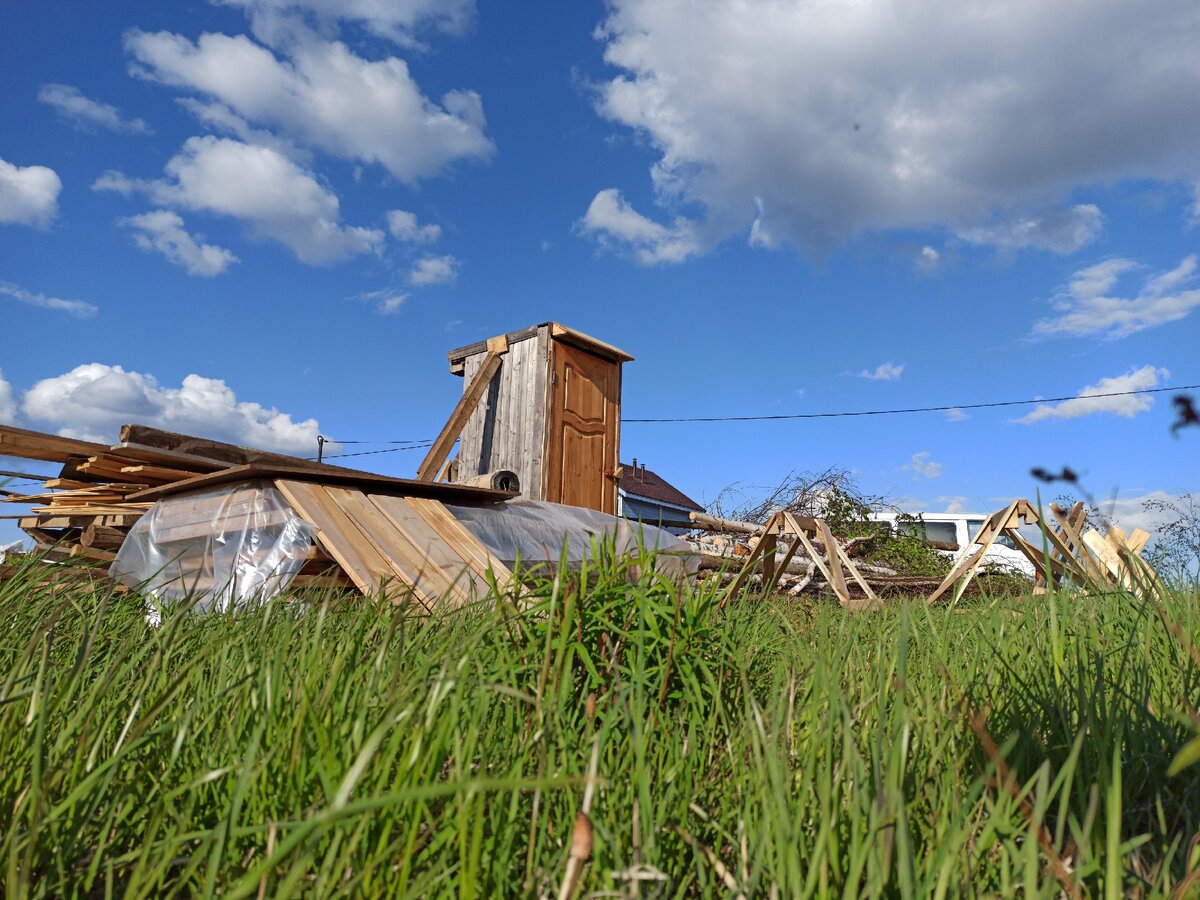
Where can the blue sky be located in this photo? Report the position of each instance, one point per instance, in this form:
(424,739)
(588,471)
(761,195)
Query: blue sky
(264,219)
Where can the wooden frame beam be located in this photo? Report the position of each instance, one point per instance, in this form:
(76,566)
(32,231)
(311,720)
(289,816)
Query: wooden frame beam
(440,451)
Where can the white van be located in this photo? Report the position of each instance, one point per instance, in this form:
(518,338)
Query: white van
(960,529)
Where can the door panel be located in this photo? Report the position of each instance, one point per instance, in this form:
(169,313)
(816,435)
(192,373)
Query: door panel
(583,429)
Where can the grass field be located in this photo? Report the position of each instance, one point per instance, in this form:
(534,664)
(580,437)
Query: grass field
(1005,747)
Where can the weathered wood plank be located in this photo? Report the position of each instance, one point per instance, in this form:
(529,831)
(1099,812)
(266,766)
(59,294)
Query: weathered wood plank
(339,536)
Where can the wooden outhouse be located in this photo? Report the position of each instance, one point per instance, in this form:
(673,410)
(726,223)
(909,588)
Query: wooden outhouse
(551,413)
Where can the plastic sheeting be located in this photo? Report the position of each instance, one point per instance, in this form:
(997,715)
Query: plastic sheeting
(534,531)
(226,547)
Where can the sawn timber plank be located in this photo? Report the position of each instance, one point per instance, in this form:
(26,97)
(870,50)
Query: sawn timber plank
(456,534)
(433,552)
(339,536)
(410,561)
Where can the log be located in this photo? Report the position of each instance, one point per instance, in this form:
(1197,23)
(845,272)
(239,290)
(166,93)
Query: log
(712,523)
(101,537)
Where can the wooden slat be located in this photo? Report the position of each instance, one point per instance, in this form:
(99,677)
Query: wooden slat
(440,451)
(835,564)
(49,447)
(345,478)
(433,552)
(411,562)
(456,534)
(339,536)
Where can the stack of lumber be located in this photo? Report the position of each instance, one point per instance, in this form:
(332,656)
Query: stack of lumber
(372,532)
(87,508)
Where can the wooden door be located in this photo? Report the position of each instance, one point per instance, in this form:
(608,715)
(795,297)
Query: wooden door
(584,413)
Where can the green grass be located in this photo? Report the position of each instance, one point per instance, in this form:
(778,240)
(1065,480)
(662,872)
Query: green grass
(325,747)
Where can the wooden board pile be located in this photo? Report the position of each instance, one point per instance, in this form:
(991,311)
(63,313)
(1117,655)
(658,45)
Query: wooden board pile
(372,532)
(1070,556)
(795,552)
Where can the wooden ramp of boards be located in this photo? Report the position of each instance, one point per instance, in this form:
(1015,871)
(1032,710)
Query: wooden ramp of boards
(386,542)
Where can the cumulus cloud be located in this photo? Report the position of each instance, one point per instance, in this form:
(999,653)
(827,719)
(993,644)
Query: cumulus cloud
(1091,399)
(1060,230)
(87,114)
(162,231)
(28,194)
(956,415)
(322,95)
(887,371)
(811,123)
(1088,307)
(21,295)
(275,198)
(8,406)
(223,120)
(434,270)
(92,401)
(613,222)
(922,466)
(404,227)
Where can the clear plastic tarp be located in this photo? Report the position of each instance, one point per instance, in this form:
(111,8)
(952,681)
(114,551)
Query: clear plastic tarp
(535,531)
(225,547)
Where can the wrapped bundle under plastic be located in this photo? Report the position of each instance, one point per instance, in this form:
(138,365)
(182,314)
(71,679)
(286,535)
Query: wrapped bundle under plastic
(225,547)
(535,531)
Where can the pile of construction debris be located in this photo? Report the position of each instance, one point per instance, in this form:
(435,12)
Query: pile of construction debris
(178,516)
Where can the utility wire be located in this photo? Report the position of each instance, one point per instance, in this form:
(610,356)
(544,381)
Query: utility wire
(917,409)
(423,446)
(418,445)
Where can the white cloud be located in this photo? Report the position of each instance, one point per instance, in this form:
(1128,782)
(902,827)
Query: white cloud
(74,307)
(28,194)
(811,123)
(396,20)
(1060,230)
(1089,402)
(404,227)
(1129,513)
(956,415)
(162,231)
(224,120)
(1086,307)
(8,406)
(887,371)
(434,270)
(92,401)
(322,95)
(612,221)
(955,504)
(922,466)
(386,302)
(274,197)
(85,113)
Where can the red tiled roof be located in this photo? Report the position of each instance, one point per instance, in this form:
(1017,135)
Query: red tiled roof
(645,483)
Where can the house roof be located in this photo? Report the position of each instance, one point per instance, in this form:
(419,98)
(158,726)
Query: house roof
(649,485)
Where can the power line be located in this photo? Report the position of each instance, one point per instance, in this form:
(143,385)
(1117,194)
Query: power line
(916,409)
(418,446)
(428,442)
